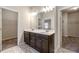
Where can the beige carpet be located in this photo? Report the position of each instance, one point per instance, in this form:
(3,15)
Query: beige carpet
(14,49)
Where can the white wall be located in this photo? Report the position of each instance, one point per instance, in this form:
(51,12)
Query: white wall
(65,24)
(33,21)
(73,24)
(27,19)
(30,20)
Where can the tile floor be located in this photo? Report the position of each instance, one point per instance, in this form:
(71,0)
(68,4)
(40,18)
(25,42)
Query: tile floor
(27,49)
(71,43)
(63,50)
(20,49)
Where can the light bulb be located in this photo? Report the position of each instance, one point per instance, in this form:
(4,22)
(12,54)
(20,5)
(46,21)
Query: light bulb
(34,13)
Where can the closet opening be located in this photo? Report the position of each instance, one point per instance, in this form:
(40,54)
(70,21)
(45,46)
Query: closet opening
(70,29)
(9,28)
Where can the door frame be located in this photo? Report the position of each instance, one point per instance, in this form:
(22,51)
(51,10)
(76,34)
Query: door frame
(16,20)
(0,29)
(60,25)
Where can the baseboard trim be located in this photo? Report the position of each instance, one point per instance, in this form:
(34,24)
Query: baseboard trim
(71,36)
(9,38)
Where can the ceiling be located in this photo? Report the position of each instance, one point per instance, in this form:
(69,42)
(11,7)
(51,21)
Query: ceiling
(36,8)
(70,10)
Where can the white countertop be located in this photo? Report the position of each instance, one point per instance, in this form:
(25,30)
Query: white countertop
(41,31)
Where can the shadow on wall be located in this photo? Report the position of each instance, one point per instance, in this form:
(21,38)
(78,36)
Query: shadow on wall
(22,39)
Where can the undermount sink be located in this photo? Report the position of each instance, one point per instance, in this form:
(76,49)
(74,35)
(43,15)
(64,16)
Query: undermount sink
(40,31)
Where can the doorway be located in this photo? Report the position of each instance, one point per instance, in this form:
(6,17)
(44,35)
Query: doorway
(70,29)
(9,28)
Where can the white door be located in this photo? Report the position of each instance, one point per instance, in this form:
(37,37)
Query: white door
(0,29)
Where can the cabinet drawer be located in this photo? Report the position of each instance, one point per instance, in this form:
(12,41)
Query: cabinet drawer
(26,33)
(31,34)
(26,36)
(44,37)
(39,45)
(32,37)
(32,43)
(45,46)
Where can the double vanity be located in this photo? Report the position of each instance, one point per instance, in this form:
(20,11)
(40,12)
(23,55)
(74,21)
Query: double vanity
(41,40)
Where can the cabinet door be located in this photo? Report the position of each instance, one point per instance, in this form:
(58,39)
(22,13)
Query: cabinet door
(39,44)
(26,37)
(32,40)
(51,43)
(45,46)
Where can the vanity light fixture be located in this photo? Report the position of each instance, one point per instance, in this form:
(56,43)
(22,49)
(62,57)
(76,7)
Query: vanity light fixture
(47,8)
(44,10)
(34,13)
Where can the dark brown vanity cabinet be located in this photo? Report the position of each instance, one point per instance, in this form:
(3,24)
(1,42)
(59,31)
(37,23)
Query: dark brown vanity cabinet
(40,42)
(38,45)
(26,37)
(45,46)
(51,43)
(32,40)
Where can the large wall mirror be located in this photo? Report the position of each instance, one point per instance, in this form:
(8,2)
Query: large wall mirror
(42,19)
